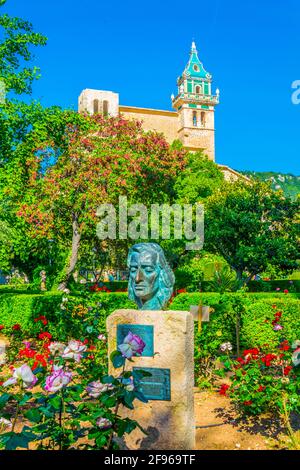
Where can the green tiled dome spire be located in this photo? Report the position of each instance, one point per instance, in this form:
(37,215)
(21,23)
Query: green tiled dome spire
(194,68)
(194,85)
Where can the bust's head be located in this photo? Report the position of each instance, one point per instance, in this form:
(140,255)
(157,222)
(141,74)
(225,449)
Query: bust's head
(151,279)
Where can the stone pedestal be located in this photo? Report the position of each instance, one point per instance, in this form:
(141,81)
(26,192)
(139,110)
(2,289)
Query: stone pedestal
(168,419)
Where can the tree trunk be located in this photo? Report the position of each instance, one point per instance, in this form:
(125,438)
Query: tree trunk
(74,254)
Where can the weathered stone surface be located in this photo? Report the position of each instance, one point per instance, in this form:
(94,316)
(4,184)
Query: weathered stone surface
(169,424)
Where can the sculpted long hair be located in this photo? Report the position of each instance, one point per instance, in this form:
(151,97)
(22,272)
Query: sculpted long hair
(166,275)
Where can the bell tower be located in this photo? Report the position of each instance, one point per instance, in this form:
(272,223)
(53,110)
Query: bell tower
(195,105)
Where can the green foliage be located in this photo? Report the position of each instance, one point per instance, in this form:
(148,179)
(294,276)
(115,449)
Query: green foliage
(23,309)
(252,226)
(224,280)
(253,310)
(200,178)
(266,379)
(60,392)
(15,50)
(288,183)
(271,286)
(257,331)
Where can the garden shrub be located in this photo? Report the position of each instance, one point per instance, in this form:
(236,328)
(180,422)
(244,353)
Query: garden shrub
(272,285)
(254,309)
(23,309)
(256,331)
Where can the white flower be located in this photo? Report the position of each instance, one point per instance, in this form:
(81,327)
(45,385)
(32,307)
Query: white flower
(66,291)
(5,424)
(94,389)
(226,347)
(65,299)
(62,307)
(24,374)
(74,350)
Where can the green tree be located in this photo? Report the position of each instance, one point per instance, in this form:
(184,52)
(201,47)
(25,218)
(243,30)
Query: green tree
(199,179)
(252,226)
(15,54)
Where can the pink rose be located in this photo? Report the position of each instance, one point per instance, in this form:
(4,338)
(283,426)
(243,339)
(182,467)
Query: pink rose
(58,379)
(104,423)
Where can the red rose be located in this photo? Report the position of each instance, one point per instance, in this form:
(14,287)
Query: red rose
(261,388)
(16,327)
(27,353)
(254,352)
(285,291)
(2,327)
(287,370)
(45,335)
(284,346)
(248,403)
(267,359)
(223,389)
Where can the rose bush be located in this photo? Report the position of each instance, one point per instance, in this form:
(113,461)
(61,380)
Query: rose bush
(58,396)
(266,379)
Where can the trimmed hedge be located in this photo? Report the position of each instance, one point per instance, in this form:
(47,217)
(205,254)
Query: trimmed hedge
(271,286)
(255,310)
(24,308)
(256,313)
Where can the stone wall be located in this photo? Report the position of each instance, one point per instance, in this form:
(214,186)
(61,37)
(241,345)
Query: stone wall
(156,120)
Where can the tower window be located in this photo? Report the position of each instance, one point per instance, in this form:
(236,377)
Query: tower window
(196,68)
(203,119)
(194,119)
(96,106)
(198,90)
(105,108)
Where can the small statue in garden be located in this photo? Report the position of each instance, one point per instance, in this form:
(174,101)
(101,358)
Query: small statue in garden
(43,276)
(151,280)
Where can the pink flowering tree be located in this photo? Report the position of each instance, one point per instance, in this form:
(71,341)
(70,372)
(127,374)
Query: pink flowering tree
(72,163)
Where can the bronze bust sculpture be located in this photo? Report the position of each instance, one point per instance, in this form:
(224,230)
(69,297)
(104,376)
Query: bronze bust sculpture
(151,279)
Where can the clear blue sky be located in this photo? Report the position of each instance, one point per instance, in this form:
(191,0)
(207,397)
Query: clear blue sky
(138,48)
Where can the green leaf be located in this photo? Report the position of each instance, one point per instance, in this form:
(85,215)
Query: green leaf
(33,415)
(25,399)
(101,441)
(55,402)
(117,359)
(18,441)
(4,399)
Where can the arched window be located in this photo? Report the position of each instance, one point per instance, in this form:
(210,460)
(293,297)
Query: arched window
(203,119)
(198,90)
(194,119)
(96,106)
(105,108)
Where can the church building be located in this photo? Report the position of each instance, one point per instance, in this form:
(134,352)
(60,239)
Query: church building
(193,120)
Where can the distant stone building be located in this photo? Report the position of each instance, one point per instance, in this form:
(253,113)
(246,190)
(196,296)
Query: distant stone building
(192,122)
